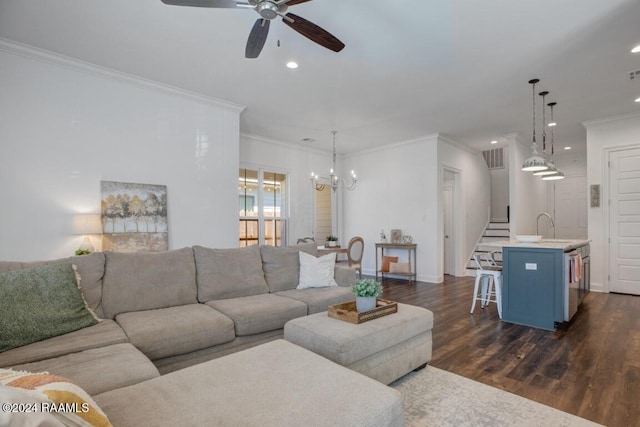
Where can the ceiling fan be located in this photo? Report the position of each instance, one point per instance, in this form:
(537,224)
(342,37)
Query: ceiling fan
(268,10)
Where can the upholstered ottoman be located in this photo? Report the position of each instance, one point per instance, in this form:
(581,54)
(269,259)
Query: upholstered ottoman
(384,349)
(275,384)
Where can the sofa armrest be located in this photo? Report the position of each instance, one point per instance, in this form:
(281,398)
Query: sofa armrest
(344,275)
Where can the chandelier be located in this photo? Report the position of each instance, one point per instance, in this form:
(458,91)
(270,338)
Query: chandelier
(333,180)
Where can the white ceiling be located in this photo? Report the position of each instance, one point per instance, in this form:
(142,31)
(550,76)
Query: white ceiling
(410,68)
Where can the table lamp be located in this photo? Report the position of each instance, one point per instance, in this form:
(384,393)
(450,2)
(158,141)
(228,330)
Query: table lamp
(87,224)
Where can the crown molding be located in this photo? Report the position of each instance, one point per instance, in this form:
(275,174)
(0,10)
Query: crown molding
(605,120)
(48,57)
(288,145)
(447,139)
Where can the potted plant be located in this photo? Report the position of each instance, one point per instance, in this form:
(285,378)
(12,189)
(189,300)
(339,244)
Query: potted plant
(366,292)
(332,241)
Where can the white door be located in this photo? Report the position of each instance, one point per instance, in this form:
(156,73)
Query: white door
(624,214)
(447,198)
(570,201)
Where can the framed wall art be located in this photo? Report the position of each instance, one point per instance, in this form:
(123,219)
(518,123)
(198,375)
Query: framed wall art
(134,217)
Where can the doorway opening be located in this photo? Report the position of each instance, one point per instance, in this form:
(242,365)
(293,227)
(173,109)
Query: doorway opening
(451,222)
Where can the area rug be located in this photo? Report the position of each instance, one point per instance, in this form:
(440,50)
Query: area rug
(433,397)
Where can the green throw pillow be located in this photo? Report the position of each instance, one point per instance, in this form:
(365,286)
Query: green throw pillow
(39,303)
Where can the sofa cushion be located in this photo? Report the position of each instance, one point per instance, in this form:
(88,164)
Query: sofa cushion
(145,281)
(259,313)
(344,275)
(274,384)
(105,333)
(281,266)
(316,272)
(229,273)
(90,269)
(99,369)
(318,299)
(176,330)
(39,303)
(58,391)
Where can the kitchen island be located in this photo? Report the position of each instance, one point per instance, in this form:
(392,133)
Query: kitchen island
(543,283)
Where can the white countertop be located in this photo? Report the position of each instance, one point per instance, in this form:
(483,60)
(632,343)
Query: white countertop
(564,244)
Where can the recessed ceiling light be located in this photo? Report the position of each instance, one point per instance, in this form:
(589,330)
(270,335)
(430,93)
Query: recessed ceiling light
(567,148)
(552,124)
(637,99)
(494,142)
(636,49)
(292,64)
(308,139)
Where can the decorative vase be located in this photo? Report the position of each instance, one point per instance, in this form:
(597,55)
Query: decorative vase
(365,303)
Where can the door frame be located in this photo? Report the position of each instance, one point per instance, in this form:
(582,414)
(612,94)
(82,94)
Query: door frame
(456,225)
(448,265)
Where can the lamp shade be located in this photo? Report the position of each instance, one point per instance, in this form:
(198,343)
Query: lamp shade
(551,169)
(87,224)
(554,177)
(535,163)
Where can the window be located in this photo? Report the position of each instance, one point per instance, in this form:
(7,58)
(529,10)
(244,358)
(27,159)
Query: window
(263,210)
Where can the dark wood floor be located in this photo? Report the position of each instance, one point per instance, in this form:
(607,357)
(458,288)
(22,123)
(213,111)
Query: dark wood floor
(590,369)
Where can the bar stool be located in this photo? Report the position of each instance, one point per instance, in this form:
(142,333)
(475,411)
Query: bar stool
(491,278)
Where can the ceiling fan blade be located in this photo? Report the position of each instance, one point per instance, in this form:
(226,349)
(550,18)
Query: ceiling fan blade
(203,3)
(257,37)
(313,32)
(292,2)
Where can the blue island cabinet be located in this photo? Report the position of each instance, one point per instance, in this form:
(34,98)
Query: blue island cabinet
(533,287)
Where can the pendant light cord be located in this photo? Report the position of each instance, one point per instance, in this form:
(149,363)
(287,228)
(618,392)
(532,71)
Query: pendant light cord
(544,122)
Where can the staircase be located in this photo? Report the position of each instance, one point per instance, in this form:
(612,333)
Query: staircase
(494,231)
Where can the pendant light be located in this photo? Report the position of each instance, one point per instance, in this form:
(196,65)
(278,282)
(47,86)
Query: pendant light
(547,171)
(556,174)
(536,162)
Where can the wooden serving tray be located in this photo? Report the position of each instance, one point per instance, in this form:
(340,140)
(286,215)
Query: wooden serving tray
(348,313)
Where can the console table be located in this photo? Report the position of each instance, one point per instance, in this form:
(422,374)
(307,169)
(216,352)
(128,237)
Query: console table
(411,258)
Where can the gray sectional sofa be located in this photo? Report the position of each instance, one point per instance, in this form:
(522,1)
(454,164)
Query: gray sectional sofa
(184,306)
(162,312)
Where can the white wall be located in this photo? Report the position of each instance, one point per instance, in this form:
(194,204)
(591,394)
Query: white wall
(472,212)
(603,136)
(527,193)
(65,126)
(400,187)
(572,164)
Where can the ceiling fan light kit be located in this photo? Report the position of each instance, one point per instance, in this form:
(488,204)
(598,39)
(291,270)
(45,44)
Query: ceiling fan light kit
(269,10)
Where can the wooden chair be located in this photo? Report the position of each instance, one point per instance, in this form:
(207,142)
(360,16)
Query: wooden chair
(306,240)
(355,250)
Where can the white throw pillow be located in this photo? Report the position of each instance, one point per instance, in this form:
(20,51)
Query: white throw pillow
(316,272)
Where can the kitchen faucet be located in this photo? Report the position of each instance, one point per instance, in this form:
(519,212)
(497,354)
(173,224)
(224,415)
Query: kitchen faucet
(550,220)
